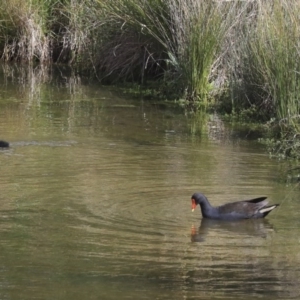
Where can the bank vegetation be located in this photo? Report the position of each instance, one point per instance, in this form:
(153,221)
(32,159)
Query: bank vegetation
(239,56)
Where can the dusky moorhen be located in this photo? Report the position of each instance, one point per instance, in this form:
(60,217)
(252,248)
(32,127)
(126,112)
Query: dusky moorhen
(246,209)
(4,144)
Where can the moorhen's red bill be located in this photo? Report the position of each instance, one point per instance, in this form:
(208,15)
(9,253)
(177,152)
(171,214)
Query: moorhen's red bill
(246,209)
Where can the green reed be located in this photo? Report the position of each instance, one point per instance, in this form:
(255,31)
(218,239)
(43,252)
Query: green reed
(204,34)
(135,39)
(176,39)
(269,70)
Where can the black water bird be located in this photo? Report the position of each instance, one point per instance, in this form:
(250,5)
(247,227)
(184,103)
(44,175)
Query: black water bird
(246,209)
(4,144)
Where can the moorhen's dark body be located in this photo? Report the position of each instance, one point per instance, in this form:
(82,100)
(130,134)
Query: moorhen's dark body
(247,209)
(4,144)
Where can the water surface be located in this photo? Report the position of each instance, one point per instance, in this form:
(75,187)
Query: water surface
(95,201)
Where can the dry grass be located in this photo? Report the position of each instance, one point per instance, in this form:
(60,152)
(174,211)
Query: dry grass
(29,41)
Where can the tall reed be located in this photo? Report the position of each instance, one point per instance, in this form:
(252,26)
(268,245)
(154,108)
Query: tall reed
(204,31)
(24,30)
(75,30)
(137,38)
(176,38)
(269,68)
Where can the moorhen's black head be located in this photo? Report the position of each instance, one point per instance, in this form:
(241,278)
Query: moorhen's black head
(198,198)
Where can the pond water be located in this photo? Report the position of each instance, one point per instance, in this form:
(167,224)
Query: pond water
(95,200)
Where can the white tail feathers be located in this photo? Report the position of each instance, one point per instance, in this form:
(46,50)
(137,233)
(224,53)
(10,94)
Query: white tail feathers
(267,209)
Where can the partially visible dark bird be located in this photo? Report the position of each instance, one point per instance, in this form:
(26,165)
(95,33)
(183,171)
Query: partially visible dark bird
(246,209)
(4,144)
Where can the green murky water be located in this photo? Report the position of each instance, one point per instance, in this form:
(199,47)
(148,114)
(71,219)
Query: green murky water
(95,201)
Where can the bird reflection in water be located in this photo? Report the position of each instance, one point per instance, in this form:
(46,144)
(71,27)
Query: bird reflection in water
(249,227)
